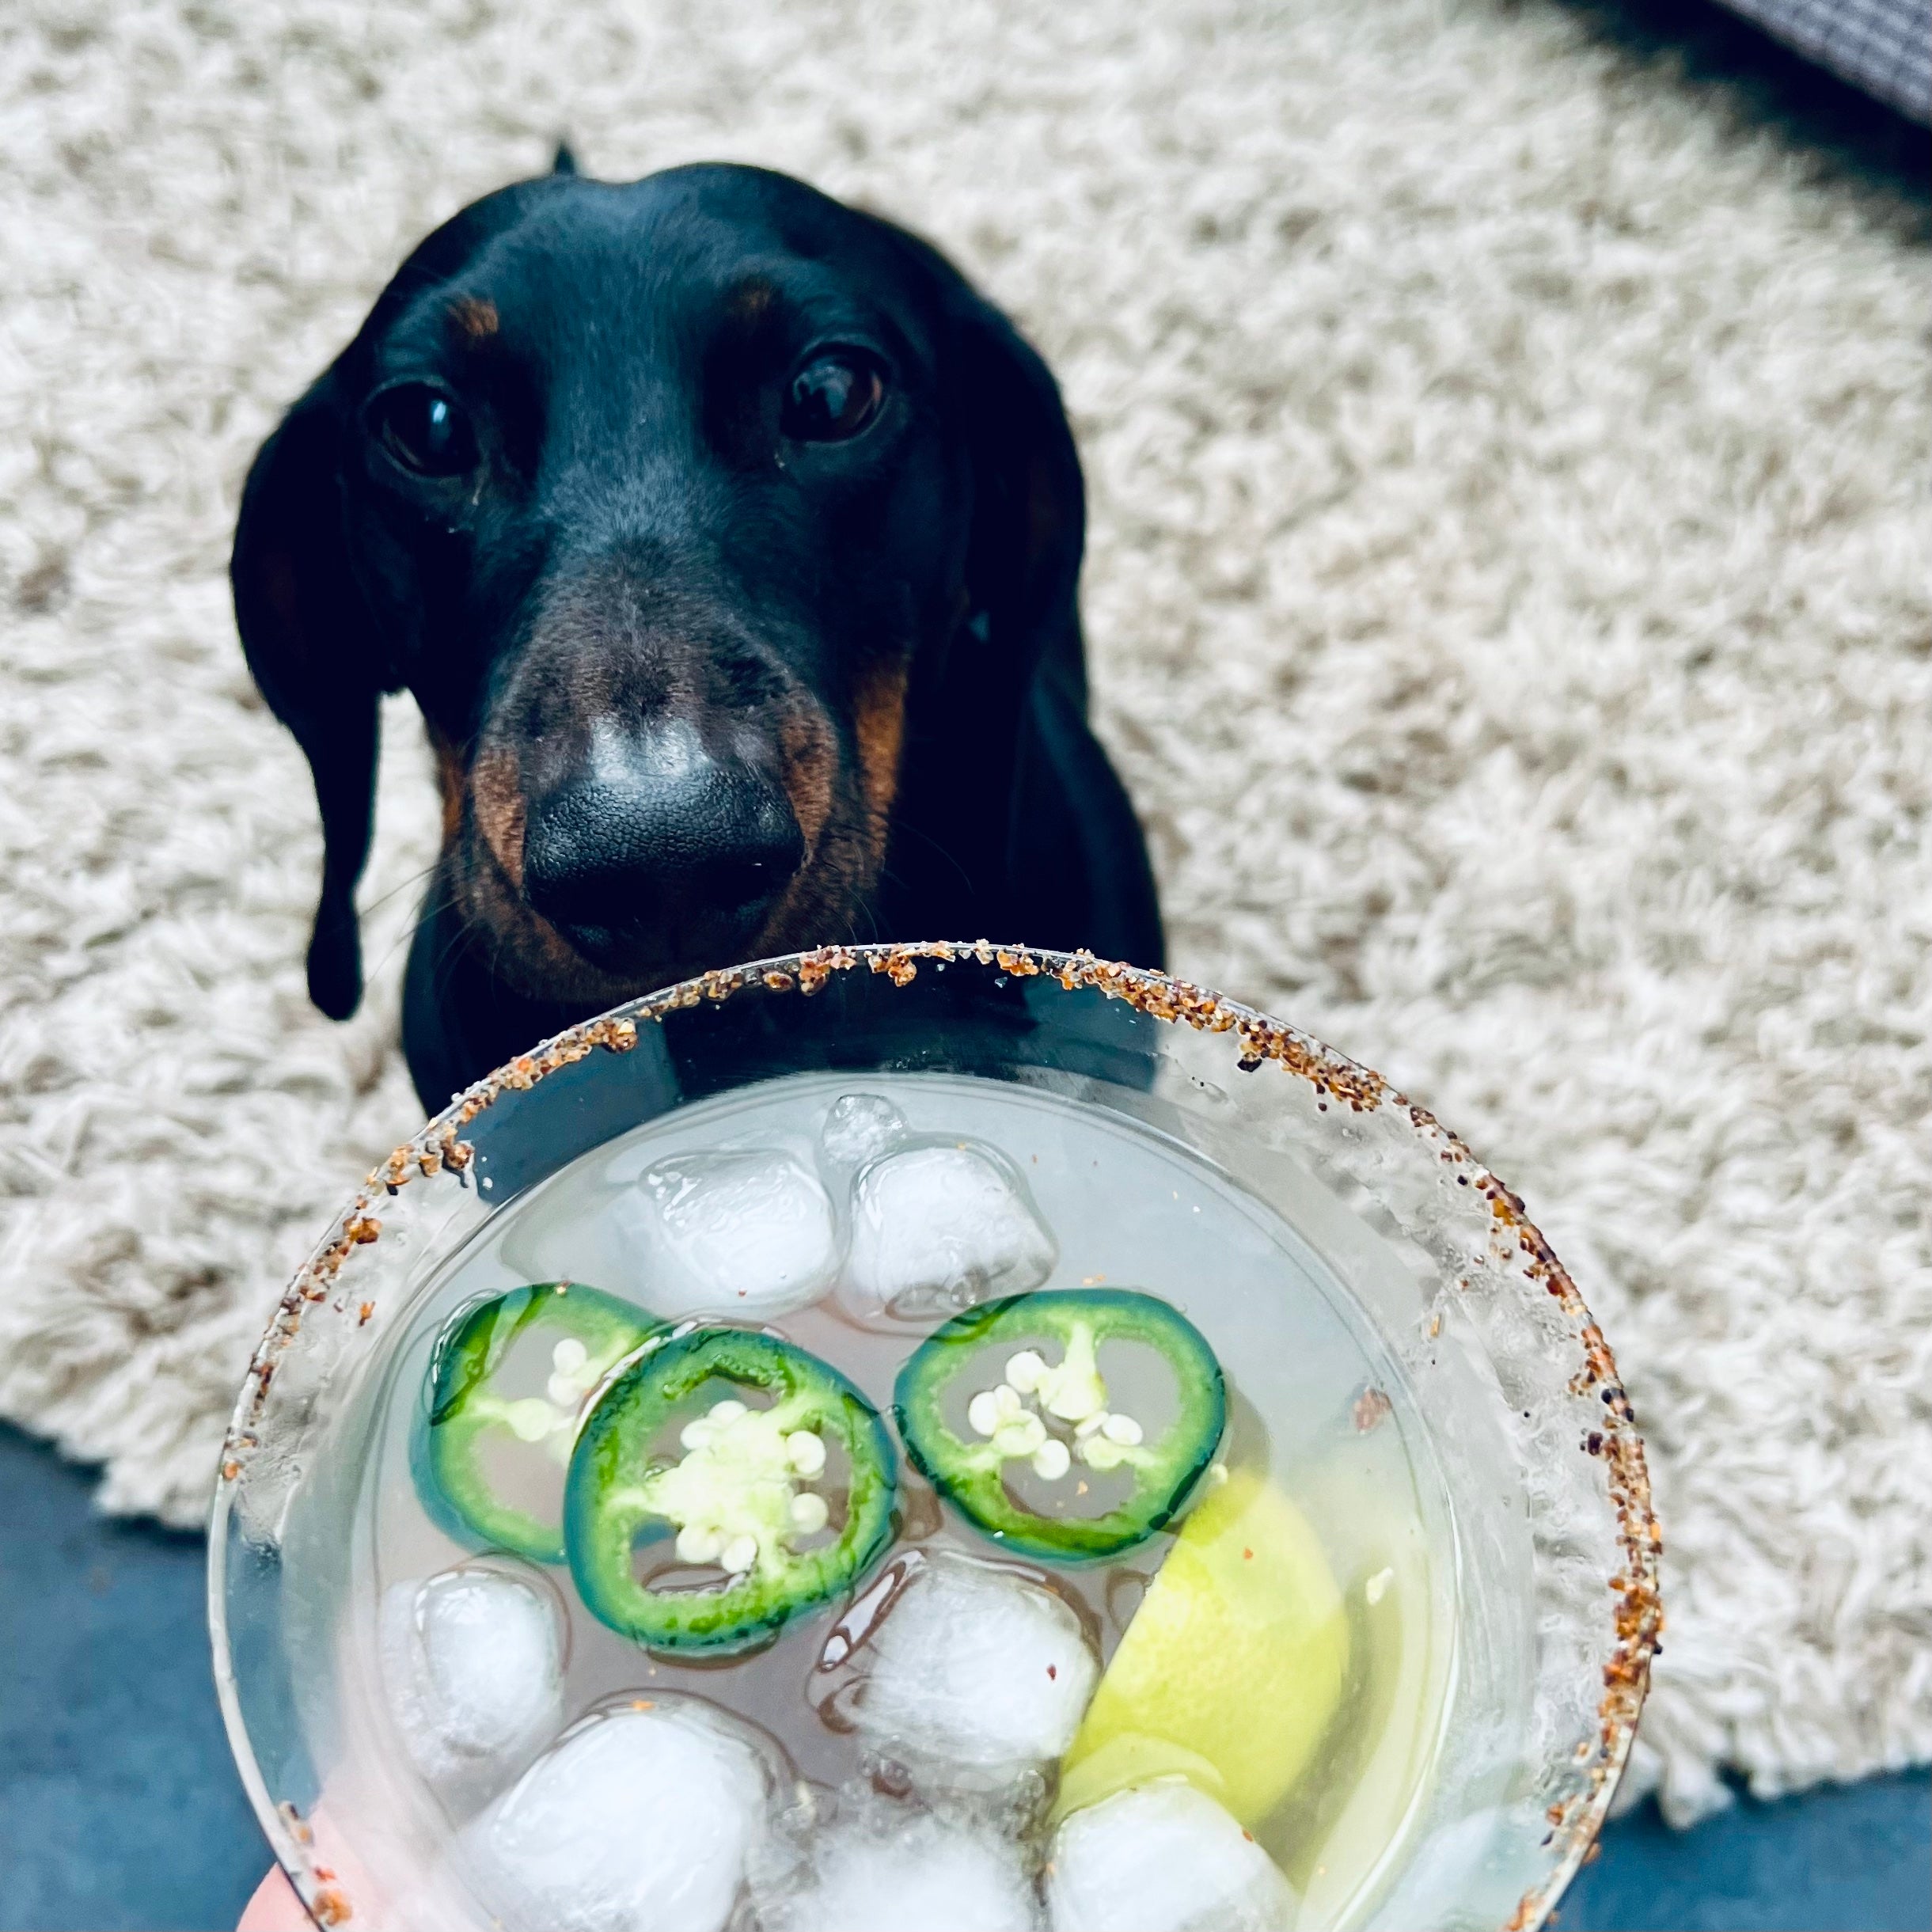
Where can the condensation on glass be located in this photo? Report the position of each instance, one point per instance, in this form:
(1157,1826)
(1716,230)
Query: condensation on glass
(1514,1382)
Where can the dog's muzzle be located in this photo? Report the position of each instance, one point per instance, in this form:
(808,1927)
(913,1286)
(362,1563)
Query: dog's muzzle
(654,850)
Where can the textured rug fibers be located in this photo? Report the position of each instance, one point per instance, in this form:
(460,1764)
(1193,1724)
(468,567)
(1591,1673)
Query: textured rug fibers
(1508,605)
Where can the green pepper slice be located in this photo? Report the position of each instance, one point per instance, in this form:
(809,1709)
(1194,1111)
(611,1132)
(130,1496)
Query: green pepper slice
(740,1509)
(1037,1453)
(490,1464)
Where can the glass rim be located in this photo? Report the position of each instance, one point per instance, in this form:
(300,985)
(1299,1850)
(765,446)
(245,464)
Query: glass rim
(439,1149)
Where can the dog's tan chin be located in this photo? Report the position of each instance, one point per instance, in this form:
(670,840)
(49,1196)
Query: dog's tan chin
(843,813)
(824,904)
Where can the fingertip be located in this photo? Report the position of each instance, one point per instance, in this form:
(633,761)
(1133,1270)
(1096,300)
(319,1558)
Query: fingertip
(275,1908)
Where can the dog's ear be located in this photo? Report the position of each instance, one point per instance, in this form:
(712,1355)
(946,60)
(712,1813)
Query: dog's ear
(1028,504)
(314,650)
(1021,621)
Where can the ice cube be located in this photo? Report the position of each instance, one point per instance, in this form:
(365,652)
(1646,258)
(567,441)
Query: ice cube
(641,1820)
(1449,1864)
(472,1661)
(885,1872)
(748,1231)
(934,1229)
(973,1672)
(859,1128)
(1162,1857)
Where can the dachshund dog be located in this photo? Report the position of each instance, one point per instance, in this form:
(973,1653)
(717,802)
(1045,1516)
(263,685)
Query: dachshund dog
(729,543)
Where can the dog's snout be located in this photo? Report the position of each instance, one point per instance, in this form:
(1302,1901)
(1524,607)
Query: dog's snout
(656,847)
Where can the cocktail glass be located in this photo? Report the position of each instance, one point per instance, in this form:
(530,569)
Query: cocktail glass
(1551,1575)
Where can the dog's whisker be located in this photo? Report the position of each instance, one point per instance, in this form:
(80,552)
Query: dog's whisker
(402,886)
(864,910)
(907,829)
(435,903)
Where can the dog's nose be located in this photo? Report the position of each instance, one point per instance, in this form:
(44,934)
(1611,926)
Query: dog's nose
(655,852)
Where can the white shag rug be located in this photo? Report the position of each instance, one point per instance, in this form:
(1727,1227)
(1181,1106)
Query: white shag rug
(1507,602)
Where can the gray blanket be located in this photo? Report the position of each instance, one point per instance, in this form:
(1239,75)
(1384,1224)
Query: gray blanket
(1882,46)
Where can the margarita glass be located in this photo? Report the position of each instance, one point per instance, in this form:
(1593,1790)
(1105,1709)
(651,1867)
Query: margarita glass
(1421,1434)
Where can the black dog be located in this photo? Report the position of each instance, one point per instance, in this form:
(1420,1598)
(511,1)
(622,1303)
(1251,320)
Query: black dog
(729,543)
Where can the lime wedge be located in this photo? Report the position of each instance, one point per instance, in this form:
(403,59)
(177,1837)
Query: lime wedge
(1232,1668)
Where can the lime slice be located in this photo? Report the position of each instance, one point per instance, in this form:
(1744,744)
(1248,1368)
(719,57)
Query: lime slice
(1232,1668)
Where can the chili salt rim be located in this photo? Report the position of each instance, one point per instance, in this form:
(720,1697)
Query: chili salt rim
(1516,1246)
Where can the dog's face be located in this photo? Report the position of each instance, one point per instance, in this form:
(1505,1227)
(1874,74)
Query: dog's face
(698,514)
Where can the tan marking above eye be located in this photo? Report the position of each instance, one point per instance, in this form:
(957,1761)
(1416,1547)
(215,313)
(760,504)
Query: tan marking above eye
(496,793)
(475,315)
(750,299)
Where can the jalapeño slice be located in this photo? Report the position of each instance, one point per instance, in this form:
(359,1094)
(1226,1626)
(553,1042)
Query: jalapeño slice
(699,1521)
(1007,1411)
(507,1386)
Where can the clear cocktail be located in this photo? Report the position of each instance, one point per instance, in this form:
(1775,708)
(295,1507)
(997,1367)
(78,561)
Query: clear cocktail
(982,1486)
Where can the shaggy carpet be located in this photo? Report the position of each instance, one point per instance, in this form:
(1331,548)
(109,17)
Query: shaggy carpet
(1507,602)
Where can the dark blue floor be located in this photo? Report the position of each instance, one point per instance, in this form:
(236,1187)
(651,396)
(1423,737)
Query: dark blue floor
(119,1806)
(1837,1860)
(118,1803)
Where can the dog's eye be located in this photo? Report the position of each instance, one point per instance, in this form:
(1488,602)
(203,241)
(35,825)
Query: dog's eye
(426,430)
(834,397)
